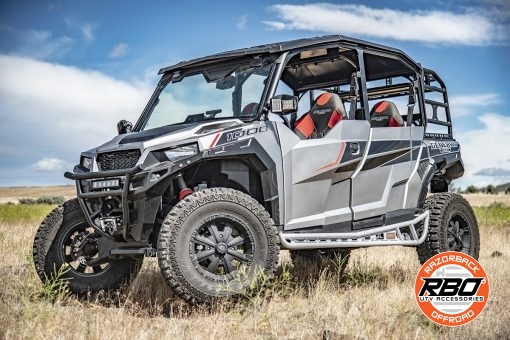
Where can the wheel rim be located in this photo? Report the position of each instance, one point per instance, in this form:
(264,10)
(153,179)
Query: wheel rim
(459,234)
(79,246)
(220,246)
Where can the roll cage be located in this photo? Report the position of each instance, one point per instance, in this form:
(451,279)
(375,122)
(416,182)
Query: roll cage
(363,76)
(360,72)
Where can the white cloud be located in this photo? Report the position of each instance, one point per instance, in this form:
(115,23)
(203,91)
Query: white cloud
(51,109)
(485,148)
(118,50)
(476,99)
(39,44)
(241,22)
(87,30)
(493,172)
(48,165)
(468,28)
(276,25)
(465,105)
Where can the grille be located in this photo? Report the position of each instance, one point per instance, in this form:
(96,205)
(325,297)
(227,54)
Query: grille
(422,167)
(118,160)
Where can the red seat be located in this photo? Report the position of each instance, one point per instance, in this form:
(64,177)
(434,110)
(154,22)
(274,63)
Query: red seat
(325,113)
(385,114)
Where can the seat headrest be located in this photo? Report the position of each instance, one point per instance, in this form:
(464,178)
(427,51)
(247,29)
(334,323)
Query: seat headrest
(385,114)
(327,110)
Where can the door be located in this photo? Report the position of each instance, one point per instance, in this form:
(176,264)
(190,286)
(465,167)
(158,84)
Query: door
(380,183)
(317,174)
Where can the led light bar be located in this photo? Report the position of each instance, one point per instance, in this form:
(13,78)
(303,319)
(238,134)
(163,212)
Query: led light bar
(106,184)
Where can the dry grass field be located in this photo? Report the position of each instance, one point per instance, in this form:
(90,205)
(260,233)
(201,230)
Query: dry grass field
(15,193)
(372,300)
(483,200)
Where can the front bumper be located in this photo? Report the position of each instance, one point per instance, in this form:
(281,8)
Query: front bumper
(127,211)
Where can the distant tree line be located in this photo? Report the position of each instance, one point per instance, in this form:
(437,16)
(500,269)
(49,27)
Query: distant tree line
(490,189)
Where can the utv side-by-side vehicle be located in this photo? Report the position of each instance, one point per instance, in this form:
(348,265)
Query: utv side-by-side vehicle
(318,146)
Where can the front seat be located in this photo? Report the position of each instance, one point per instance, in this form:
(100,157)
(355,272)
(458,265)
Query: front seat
(385,114)
(327,110)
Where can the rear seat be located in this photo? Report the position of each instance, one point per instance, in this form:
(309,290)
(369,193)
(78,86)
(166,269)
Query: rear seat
(385,114)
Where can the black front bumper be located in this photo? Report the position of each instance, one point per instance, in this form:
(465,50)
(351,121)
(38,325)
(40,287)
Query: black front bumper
(134,204)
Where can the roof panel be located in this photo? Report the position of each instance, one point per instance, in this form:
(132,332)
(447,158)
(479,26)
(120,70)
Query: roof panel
(287,46)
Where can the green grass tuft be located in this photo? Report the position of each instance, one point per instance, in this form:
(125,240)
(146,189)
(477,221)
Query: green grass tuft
(495,215)
(43,200)
(16,213)
(56,287)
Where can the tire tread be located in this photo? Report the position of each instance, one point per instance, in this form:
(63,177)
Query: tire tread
(46,259)
(174,222)
(438,206)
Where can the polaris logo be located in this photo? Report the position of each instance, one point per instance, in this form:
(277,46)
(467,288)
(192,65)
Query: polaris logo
(444,147)
(322,111)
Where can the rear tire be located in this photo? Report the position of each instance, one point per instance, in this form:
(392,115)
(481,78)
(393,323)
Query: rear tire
(452,227)
(65,238)
(215,243)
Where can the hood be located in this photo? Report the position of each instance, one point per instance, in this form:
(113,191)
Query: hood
(137,146)
(162,135)
(136,139)
(146,135)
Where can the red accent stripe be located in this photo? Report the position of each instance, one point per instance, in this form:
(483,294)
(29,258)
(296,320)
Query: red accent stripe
(335,118)
(336,161)
(305,125)
(394,122)
(215,140)
(381,106)
(323,98)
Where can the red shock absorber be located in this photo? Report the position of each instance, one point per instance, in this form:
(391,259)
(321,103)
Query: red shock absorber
(183,189)
(184,192)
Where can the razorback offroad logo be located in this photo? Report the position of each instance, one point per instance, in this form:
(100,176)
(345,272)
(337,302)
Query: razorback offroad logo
(451,288)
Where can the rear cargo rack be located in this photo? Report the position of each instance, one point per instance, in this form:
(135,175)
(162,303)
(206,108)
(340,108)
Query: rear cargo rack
(437,108)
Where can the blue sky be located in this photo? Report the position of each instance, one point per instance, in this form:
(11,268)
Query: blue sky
(69,70)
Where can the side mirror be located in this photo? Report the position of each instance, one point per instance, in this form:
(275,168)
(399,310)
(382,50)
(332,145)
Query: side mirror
(284,104)
(124,127)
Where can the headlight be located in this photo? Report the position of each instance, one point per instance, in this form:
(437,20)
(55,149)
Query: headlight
(86,162)
(181,152)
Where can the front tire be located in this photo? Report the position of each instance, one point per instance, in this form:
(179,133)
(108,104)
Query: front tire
(452,227)
(215,243)
(65,238)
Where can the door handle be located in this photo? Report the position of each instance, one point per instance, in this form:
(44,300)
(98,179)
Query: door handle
(354,147)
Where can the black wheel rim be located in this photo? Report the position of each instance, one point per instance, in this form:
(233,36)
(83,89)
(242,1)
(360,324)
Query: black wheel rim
(79,246)
(459,234)
(220,246)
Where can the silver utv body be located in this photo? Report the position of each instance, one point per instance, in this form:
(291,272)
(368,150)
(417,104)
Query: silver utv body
(323,188)
(356,185)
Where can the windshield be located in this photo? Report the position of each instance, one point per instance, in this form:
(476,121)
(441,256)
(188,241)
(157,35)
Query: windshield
(209,95)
